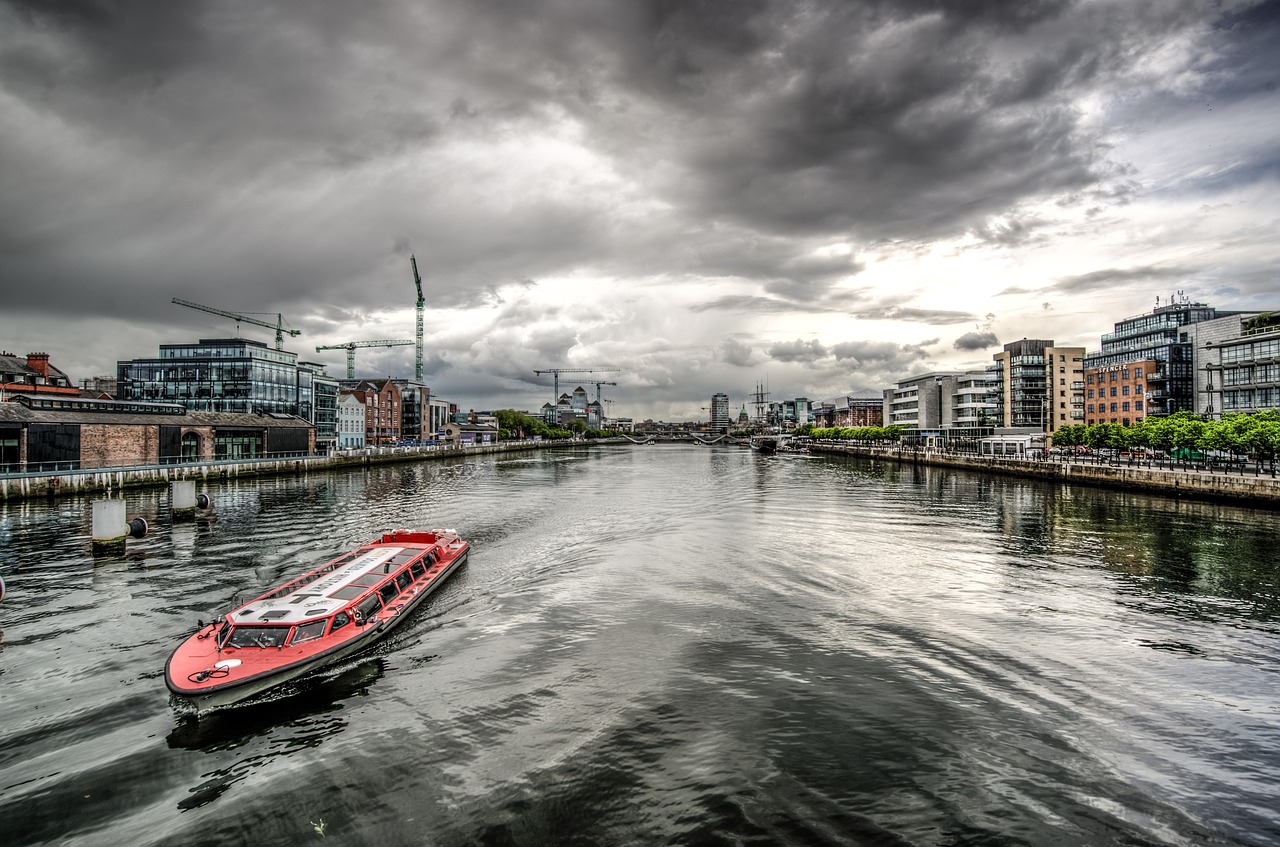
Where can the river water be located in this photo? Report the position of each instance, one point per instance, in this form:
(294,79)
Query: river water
(666,645)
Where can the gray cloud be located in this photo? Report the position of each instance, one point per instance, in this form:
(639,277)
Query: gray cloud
(976,341)
(904,313)
(797,351)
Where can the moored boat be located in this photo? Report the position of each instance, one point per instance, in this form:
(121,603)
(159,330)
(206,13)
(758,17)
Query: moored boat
(313,621)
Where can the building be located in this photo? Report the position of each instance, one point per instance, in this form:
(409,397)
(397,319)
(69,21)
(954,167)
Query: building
(1119,393)
(234,375)
(1019,373)
(1236,363)
(719,412)
(32,374)
(848,412)
(469,434)
(1161,336)
(350,422)
(1064,388)
(51,432)
(381,401)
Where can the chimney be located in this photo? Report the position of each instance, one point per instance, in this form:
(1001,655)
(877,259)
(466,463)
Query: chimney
(39,362)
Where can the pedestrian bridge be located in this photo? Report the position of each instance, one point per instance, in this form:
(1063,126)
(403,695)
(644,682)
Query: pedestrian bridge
(651,437)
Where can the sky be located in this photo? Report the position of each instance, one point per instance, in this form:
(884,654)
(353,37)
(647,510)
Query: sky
(822,197)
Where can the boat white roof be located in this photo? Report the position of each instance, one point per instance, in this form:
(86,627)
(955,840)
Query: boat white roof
(326,595)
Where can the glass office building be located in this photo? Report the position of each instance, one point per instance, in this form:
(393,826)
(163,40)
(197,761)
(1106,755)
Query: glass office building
(232,375)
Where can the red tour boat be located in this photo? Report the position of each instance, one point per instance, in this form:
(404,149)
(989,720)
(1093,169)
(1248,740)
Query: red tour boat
(313,621)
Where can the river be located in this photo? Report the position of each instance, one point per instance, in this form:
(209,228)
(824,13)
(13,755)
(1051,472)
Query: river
(668,644)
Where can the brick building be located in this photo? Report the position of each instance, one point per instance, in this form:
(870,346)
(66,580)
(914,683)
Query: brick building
(1120,393)
(33,374)
(63,433)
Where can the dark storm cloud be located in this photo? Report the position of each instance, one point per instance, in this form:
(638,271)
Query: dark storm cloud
(737,353)
(971,341)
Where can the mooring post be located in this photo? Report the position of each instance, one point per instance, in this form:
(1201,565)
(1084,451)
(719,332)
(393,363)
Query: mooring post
(110,529)
(182,499)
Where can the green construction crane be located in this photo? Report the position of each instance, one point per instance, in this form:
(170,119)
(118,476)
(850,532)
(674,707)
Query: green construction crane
(351,346)
(278,326)
(417,280)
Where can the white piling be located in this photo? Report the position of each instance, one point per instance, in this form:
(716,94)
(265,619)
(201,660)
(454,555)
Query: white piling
(110,528)
(182,502)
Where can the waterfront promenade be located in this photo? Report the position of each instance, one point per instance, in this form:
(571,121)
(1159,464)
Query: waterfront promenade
(1255,486)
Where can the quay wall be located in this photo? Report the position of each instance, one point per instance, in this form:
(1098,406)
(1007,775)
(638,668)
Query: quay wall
(50,485)
(1206,484)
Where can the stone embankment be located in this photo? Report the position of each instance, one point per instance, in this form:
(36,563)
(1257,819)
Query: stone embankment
(1253,487)
(31,485)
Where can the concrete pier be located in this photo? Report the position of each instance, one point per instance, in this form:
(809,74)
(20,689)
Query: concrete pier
(110,529)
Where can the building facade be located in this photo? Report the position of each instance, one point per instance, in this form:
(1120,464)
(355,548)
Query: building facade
(381,401)
(720,412)
(1161,336)
(1237,364)
(1064,387)
(1120,393)
(64,433)
(1020,374)
(350,422)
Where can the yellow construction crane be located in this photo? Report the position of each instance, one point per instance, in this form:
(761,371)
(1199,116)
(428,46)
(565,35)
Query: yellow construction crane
(278,326)
(351,346)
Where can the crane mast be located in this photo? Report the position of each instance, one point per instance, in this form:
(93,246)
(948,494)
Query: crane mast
(350,347)
(598,384)
(417,280)
(278,326)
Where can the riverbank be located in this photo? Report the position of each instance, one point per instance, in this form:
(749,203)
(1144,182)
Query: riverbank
(90,481)
(1206,483)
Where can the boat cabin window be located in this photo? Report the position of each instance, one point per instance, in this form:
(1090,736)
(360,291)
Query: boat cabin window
(309,631)
(348,592)
(403,579)
(388,592)
(418,569)
(339,621)
(258,636)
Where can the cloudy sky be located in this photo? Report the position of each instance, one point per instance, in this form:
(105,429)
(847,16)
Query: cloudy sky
(822,196)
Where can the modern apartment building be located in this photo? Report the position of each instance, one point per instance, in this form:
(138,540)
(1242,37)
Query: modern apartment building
(1064,387)
(1161,336)
(720,412)
(1237,363)
(1020,374)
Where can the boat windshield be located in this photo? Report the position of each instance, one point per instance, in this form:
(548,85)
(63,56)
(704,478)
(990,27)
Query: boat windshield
(258,636)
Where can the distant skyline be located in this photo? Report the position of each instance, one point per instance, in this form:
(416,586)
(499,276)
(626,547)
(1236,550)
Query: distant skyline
(824,196)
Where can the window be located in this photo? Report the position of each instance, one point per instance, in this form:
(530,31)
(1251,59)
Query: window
(1124,373)
(1137,389)
(1089,379)
(1137,404)
(1113,408)
(1137,372)
(1113,391)
(1124,407)
(339,621)
(309,631)
(1090,393)
(258,636)
(1124,389)
(388,592)
(1091,408)
(1113,377)
(368,607)
(403,579)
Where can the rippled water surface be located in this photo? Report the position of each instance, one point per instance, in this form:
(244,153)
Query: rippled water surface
(666,645)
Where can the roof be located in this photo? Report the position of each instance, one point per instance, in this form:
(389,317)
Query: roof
(469,427)
(15,369)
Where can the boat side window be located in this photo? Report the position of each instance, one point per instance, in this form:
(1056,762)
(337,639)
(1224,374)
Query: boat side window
(388,592)
(339,621)
(418,569)
(403,579)
(258,636)
(308,631)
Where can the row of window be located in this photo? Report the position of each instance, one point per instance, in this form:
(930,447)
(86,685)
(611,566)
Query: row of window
(1251,374)
(1124,391)
(1113,376)
(1251,398)
(1116,407)
(389,588)
(1269,349)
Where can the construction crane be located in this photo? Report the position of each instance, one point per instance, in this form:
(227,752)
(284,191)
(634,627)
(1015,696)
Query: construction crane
(555,372)
(598,384)
(351,346)
(278,326)
(417,280)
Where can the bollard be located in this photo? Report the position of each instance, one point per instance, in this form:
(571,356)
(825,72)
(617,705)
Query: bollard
(182,499)
(203,501)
